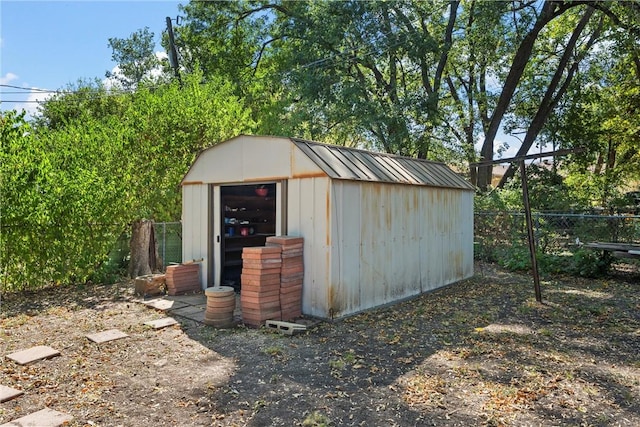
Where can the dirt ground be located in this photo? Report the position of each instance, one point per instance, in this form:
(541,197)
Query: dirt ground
(479,352)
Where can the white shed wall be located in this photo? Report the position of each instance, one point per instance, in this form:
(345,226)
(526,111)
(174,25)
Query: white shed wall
(390,242)
(195,227)
(366,243)
(308,216)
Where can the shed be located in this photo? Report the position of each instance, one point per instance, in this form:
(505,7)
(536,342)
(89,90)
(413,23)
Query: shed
(377,228)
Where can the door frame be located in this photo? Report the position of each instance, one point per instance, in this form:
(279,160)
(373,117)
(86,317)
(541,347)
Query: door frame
(214,258)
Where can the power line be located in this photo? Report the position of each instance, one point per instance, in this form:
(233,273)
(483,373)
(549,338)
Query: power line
(30,89)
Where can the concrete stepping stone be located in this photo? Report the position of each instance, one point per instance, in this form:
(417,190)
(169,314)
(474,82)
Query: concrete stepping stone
(43,418)
(192,312)
(164,304)
(105,336)
(33,354)
(161,323)
(197,299)
(8,393)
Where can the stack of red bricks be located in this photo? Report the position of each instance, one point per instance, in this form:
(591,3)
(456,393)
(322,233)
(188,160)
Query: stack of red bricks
(260,284)
(182,278)
(291,274)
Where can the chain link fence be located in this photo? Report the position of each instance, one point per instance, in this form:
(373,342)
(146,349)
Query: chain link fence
(32,257)
(554,233)
(168,239)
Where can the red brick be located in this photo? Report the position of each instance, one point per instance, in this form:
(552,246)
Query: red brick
(221,304)
(291,308)
(259,299)
(219,315)
(252,279)
(265,263)
(260,256)
(292,247)
(289,265)
(261,314)
(291,289)
(284,240)
(261,250)
(290,271)
(291,278)
(294,311)
(260,271)
(290,315)
(260,318)
(247,287)
(262,306)
(249,292)
(290,298)
(292,253)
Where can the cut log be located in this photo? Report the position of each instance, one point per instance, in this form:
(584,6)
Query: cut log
(151,284)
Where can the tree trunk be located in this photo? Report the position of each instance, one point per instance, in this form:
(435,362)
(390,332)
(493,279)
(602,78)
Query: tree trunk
(144,252)
(549,101)
(550,10)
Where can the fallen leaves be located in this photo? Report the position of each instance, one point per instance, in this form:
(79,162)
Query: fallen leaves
(480,351)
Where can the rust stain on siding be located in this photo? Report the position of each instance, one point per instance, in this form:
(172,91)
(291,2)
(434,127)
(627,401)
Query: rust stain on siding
(328,218)
(309,175)
(336,307)
(265,178)
(192,183)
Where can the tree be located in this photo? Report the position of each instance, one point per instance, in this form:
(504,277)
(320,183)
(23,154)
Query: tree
(69,191)
(59,209)
(364,71)
(623,15)
(136,59)
(84,99)
(604,117)
(404,77)
(482,39)
(557,87)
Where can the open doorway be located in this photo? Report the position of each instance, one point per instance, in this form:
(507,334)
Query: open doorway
(248,218)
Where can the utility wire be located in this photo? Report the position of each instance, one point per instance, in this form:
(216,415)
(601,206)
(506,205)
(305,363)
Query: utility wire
(31,89)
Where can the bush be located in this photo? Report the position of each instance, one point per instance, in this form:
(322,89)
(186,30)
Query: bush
(582,262)
(589,263)
(514,258)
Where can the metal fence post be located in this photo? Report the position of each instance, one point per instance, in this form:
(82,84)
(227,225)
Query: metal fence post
(164,245)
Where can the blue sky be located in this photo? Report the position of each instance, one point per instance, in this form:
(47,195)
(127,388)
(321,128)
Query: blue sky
(49,44)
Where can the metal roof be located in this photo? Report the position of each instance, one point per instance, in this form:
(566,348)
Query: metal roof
(360,165)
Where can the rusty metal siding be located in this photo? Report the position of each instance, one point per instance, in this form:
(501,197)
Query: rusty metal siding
(390,242)
(308,216)
(359,165)
(195,226)
(377,228)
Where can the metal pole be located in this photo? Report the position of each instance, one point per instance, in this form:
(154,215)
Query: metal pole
(164,245)
(532,241)
(173,54)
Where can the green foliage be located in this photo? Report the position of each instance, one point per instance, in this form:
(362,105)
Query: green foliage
(70,190)
(135,57)
(316,419)
(499,200)
(515,258)
(57,209)
(581,262)
(403,77)
(590,263)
